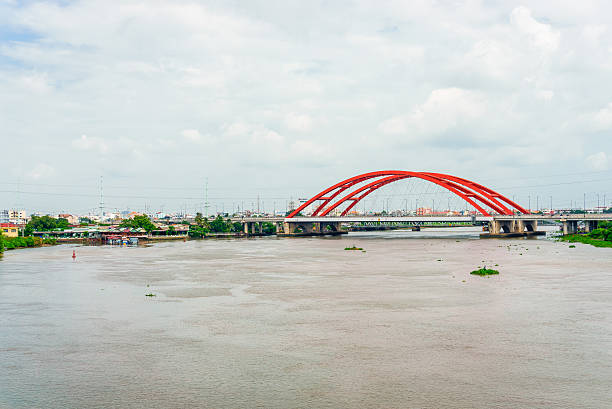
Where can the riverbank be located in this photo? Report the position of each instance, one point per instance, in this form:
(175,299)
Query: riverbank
(12,243)
(585,239)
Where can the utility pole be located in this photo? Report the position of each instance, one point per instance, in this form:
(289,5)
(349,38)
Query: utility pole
(551,209)
(101,197)
(529,198)
(206,204)
(537,203)
(258,203)
(584,202)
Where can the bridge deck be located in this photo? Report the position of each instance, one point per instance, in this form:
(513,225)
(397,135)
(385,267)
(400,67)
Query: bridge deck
(425,219)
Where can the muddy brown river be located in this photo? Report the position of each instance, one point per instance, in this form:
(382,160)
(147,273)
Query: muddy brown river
(302,323)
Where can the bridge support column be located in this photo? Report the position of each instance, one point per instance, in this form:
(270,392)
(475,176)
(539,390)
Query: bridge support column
(497,226)
(311,228)
(590,225)
(529,225)
(502,226)
(570,227)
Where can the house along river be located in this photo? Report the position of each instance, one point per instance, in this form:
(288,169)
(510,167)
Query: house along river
(302,323)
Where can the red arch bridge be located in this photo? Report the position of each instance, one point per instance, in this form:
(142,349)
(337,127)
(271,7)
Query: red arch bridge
(331,207)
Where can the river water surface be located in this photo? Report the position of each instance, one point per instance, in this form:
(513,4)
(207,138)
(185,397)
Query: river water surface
(301,323)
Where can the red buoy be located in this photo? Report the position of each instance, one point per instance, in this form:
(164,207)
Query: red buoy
(73,255)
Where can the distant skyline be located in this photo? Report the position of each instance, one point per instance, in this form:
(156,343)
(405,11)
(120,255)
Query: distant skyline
(282,99)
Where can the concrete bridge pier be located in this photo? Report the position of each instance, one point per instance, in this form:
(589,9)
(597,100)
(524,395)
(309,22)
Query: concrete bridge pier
(501,226)
(590,225)
(512,227)
(570,227)
(311,228)
(252,228)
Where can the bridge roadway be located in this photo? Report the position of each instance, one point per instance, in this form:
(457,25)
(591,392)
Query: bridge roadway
(425,219)
(498,224)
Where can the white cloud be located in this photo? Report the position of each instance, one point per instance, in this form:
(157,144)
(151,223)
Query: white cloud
(393,126)
(298,122)
(459,81)
(593,32)
(443,109)
(192,134)
(41,171)
(603,117)
(545,94)
(86,143)
(598,161)
(540,35)
(36,82)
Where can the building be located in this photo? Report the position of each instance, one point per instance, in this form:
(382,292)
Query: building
(424,211)
(9,229)
(71,219)
(4,216)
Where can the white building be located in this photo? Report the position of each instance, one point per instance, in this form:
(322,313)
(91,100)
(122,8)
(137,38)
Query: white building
(18,216)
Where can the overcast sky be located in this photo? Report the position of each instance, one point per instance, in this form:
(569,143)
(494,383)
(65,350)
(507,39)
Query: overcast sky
(284,98)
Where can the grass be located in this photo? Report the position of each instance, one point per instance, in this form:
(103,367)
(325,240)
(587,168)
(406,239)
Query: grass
(582,238)
(484,272)
(353,248)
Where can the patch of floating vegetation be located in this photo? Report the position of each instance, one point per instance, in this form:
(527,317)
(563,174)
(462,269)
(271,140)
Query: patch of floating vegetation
(353,248)
(484,272)
(150,295)
(572,246)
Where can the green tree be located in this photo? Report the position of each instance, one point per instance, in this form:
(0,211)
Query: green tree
(139,222)
(268,228)
(237,227)
(44,223)
(219,225)
(196,231)
(1,243)
(171,231)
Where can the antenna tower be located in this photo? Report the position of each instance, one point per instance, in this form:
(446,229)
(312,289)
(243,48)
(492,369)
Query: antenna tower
(101,197)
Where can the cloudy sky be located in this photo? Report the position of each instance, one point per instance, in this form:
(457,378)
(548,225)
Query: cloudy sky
(284,98)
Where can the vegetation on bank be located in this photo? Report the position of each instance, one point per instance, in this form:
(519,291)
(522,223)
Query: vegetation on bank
(139,222)
(203,226)
(600,237)
(10,243)
(484,272)
(44,223)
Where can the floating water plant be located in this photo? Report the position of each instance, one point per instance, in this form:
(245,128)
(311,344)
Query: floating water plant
(572,246)
(150,295)
(353,248)
(484,272)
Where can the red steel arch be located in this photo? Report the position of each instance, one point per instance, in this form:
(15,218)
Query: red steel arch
(479,196)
